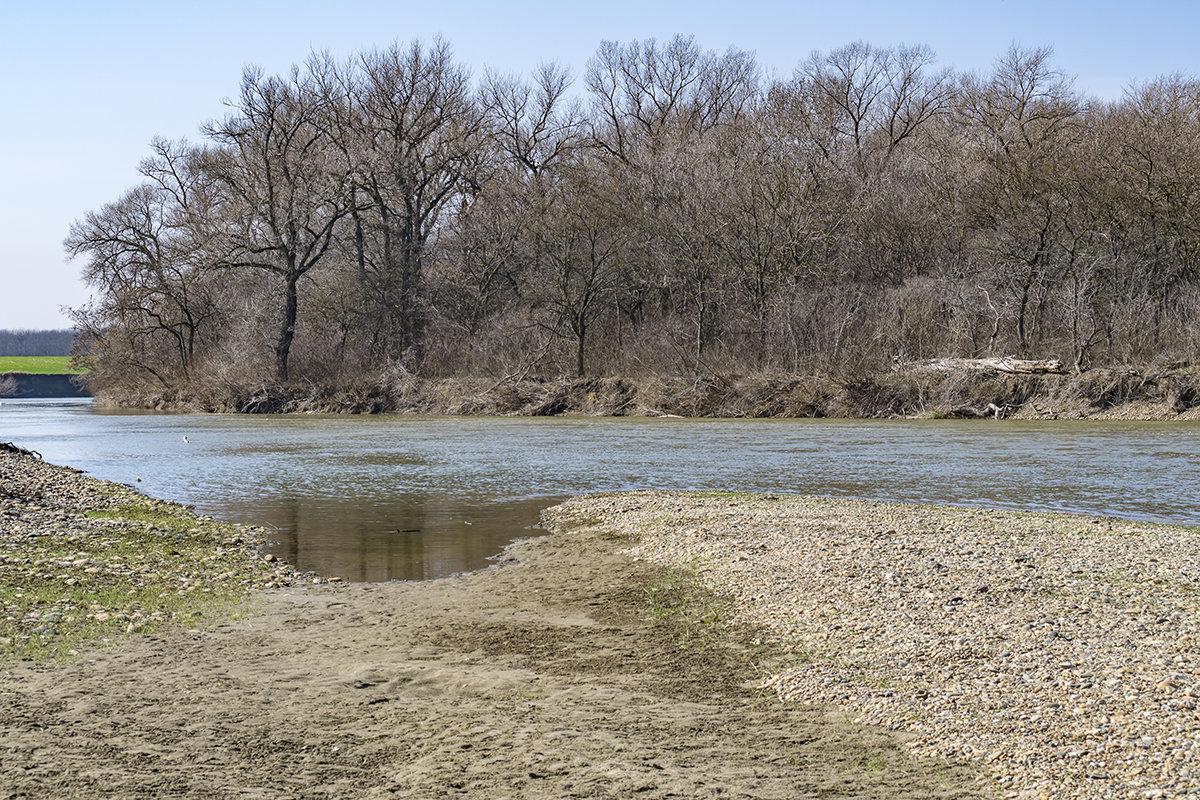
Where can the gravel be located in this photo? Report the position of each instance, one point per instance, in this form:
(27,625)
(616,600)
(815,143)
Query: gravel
(1059,653)
(83,560)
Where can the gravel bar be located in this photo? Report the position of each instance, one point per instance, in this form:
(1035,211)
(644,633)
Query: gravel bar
(1058,652)
(85,561)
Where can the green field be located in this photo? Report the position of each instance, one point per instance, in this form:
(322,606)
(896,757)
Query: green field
(40,365)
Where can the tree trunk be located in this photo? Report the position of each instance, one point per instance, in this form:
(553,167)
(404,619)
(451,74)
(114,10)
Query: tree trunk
(359,244)
(579,336)
(288,331)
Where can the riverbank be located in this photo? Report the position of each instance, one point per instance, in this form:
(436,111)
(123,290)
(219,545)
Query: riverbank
(32,384)
(1166,394)
(1061,654)
(83,560)
(572,671)
(40,376)
(642,647)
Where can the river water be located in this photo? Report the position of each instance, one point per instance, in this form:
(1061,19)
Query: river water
(405,497)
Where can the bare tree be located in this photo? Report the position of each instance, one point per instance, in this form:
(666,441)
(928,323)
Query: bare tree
(643,90)
(147,256)
(56,342)
(420,140)
(581,238)
(1026,118)
(534,125)
(870,206)
(874,99)
(286,186)
(1152,141)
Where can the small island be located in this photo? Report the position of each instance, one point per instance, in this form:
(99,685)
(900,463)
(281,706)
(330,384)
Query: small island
(678,230)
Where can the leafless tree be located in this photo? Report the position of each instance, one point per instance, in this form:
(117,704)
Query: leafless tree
(874,99)
(643,90)
(421,133)
(147,256)
(534,125)
(1025,120)
(581,240)
(56,342)
(286,186)
(687,214)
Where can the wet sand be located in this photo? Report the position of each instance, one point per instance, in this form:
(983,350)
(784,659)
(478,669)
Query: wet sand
(570,671)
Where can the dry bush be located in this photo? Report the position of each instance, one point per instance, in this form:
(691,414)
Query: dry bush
(1104,388)
(615,397)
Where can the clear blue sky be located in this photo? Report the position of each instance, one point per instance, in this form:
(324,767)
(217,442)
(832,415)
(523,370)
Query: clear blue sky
(84,86)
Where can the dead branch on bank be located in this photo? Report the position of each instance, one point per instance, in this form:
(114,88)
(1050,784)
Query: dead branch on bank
(9,447)
(1008,365)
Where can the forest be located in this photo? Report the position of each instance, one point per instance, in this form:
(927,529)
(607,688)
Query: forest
(362,225)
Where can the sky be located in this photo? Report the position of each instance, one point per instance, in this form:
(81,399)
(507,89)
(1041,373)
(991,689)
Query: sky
(85,86)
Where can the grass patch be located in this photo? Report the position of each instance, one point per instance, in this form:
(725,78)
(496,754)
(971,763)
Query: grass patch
(126,569)
(678,598)
(874,761)
(39,365)
(697,626)
(729,495)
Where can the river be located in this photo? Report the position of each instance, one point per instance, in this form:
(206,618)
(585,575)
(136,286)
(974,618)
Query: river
(406,497)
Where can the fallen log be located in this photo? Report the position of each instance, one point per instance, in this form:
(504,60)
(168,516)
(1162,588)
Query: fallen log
(9,447)
(976,412)
(1008,364)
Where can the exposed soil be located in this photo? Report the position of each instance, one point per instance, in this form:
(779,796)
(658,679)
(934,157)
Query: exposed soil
(1150,394)
(571,672)
(26,384)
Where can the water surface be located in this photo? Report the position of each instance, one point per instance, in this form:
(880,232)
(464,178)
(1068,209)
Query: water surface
(404,497)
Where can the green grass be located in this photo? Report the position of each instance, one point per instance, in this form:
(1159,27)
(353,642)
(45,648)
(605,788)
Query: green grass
(38,365)
(679,597)
(734,495)
(141,565)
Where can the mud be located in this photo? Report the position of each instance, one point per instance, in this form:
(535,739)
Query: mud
(571,671)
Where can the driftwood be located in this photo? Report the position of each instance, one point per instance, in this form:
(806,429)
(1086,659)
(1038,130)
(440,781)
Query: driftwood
(978,412)
(1010,365)
(9,447)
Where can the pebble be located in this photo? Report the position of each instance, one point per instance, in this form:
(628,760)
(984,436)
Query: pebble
(1072,676)
(50,547)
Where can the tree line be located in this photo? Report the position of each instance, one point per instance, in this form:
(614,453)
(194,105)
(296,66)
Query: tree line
(22,342)
(678,211)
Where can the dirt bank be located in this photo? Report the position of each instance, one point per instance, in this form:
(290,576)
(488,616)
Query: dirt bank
(26,384)
(1166,394)
(573,671)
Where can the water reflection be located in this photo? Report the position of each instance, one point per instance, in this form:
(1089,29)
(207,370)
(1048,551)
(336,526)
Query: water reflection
(409,538)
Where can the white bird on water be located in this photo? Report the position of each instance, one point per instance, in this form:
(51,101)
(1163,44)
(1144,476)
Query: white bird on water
(185,441)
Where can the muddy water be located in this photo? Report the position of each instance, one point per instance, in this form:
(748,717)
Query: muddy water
(400,497)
